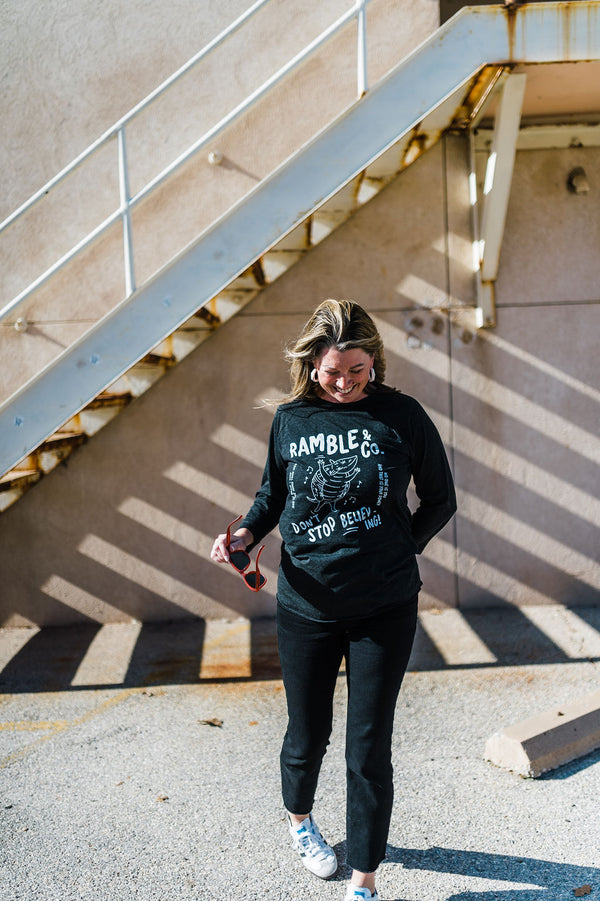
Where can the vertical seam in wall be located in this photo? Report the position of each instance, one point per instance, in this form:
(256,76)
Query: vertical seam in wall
(449,348)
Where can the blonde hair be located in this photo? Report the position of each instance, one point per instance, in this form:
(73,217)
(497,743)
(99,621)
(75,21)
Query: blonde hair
(341,324)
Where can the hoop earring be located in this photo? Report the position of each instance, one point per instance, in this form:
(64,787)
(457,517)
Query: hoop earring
(314,376)
(371,375)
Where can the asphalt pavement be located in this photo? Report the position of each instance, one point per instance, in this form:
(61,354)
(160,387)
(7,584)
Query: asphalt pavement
(141,762)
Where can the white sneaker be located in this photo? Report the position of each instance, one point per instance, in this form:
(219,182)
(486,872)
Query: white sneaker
(316,854)
(354,893)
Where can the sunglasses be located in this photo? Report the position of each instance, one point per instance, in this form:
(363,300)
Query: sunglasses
(240,560)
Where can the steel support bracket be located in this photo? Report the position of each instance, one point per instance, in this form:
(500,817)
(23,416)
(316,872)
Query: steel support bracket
(496,192)
(485,312)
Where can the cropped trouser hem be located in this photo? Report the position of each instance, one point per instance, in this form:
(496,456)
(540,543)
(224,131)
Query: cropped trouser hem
(376,650)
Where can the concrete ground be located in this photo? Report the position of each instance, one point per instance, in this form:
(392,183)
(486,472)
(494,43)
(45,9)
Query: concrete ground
(141,762)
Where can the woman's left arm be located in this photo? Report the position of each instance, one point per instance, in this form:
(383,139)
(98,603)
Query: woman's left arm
(433,481)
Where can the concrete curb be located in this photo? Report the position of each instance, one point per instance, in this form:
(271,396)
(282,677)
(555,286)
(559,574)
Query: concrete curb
(548,740)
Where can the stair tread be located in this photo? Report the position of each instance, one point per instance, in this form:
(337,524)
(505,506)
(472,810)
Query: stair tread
(18,475)
(208,316)
(111,395)
(66,433)
(63,436)
(157,359)
(107,399)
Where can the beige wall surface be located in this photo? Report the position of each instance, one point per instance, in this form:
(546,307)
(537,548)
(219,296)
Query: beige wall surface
(124,528)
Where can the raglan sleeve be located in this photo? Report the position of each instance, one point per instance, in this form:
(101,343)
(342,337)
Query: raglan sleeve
(270,498)
(433,480)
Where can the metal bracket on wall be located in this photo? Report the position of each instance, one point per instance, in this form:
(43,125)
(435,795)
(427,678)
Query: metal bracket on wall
(496,191)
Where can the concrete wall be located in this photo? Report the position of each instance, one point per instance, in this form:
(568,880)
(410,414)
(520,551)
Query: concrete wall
(530,513)
(124,529)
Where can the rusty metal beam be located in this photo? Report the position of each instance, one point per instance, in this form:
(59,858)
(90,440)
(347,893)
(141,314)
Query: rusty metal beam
(559,136)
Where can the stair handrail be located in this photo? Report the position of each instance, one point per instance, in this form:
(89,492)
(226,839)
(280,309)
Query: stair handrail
(127,202)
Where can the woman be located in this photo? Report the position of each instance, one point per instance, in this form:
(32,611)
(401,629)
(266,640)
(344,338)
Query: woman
(342,451)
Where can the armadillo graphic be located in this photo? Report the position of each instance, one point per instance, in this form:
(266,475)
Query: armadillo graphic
(331,482)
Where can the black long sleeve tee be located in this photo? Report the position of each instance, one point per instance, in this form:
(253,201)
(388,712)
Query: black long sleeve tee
(336,482)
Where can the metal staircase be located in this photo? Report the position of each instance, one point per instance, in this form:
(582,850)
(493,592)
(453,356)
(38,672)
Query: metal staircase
(445,84)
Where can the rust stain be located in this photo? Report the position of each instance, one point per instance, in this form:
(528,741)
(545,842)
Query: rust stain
(156,359)
(565,13)
(212,306)
(261,670)
(258,273)
(308,232)
(478,93)
(20,478)
(110,399)
(206,314)
(357,185)
(511,24)
(417,145)
(592,19)
(520,12)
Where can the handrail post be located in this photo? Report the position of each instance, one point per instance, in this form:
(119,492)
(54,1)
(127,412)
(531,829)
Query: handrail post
(125,197)
(361,54)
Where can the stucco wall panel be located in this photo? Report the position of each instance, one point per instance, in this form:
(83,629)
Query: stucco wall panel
(457,243)
(395,29)
(133,514)
(60,220)
(130,521)
(423,372)
(390,252)
(79,68)
(60,312)
(124,529)
(549,251)
(526,515)
(25,353)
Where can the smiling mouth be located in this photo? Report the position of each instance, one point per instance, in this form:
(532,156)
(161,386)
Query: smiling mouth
(345,390)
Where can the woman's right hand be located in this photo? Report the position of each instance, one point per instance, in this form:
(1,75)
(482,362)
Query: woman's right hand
(242,539)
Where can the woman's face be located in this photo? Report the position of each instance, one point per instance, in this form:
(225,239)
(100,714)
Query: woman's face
(343,375)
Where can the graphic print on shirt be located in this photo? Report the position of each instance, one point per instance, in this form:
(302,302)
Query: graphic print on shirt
(331,482)
(327,485)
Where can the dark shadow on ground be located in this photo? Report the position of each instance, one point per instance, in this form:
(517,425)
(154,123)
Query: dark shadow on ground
(545,879)
(570,769)
(172,652)
(49,660)
(164,654)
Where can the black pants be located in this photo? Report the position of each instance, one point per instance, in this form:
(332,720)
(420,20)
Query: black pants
(377,650)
